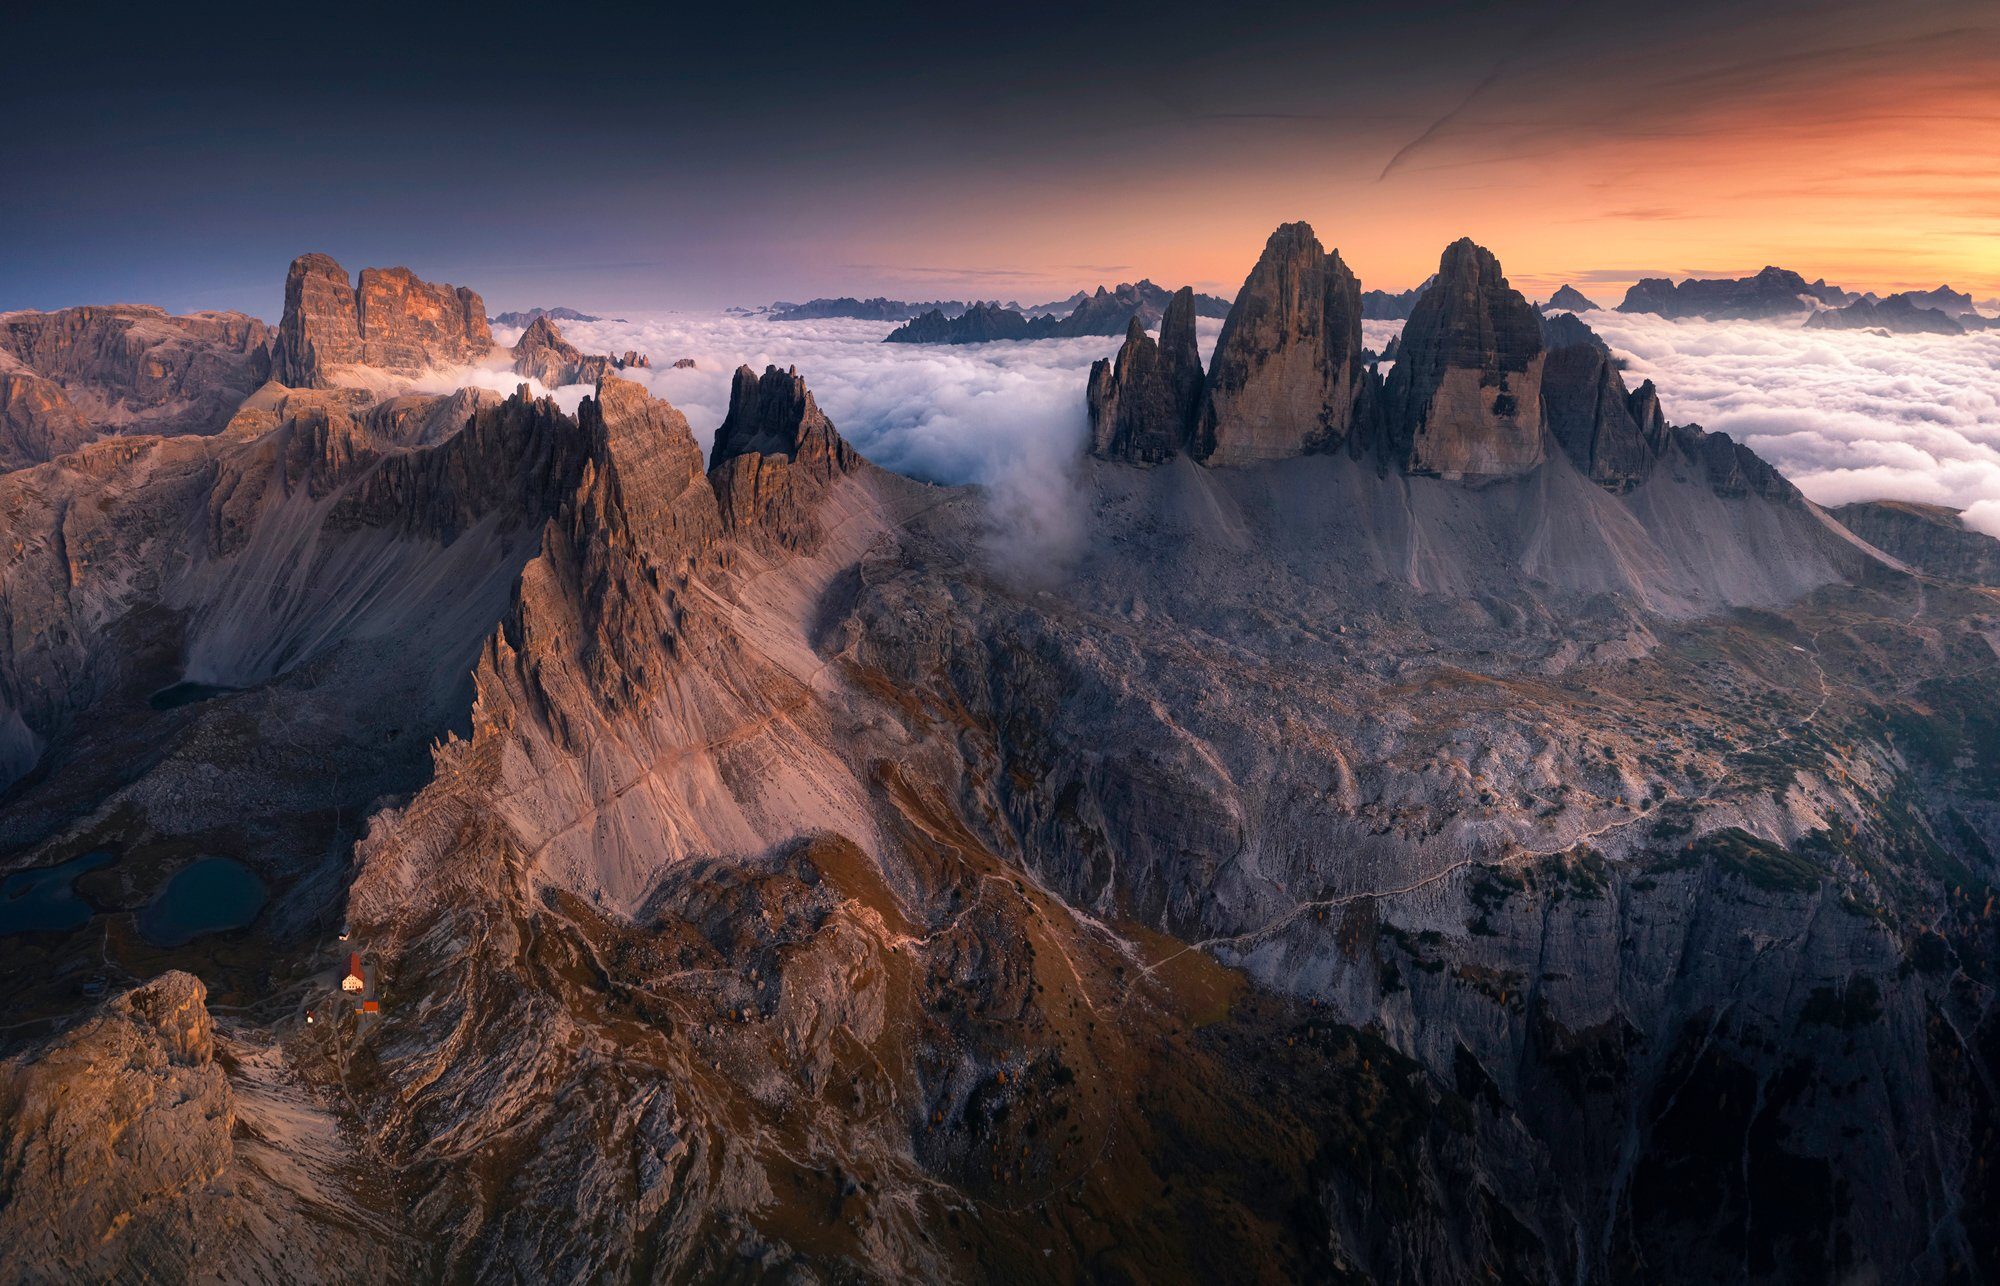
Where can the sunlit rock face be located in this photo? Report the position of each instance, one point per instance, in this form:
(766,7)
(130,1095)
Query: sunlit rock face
(1465,397)
(393,321)
(79,373)
(1284,377)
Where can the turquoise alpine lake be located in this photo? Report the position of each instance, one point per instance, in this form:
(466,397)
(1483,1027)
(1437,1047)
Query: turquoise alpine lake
(43,900)
(212,895)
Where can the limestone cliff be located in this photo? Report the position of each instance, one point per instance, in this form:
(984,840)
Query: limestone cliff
(128,368)
(393,321)
(1144,404)
(1590,413)
(544,354)
(125,1155)
(1465,397)
(1287,366)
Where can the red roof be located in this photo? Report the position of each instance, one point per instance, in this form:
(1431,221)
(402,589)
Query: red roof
(370,1007)
(354,963)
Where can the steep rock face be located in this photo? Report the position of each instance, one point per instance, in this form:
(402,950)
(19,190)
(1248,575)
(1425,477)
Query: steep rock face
(1729,468)
(320,327)
(1465,397)
(1568,299)
(1589,412)
(393,320)
(1286,371)
(408,323)
(120,1161)
(1931,538)
(135,369)
(1143,406)
(295,535)
(1774,292)
(37,422)
(773,457)
(544,354)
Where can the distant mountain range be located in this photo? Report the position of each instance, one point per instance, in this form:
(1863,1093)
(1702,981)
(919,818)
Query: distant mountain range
(1143,297)
(877,309)
(1777,293)
(553,314)
(1107,312)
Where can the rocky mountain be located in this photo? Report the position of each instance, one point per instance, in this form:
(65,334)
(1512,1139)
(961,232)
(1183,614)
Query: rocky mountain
(72,375)
(1952,303)
(1144,403)
(877,309)
(1897,314)
(1774,292)
(533,315)
(1380,305)
(1340,866)
(1465,396)
(545,355)
(1286,374)
(392,321)
(1592,417)
(1568,299)
(1107,312)
(1148,300)
(1931,538)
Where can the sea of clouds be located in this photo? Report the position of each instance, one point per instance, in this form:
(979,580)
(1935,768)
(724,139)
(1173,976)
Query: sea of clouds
(1846,415)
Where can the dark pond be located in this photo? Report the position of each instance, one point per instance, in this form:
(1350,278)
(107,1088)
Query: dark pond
(186,694)
(42,900)
(213,894)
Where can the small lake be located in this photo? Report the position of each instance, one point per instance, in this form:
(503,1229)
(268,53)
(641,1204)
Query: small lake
(186,694)
(43,900)
(212,895)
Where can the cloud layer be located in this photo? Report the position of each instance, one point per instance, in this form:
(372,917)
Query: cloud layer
(1846,415)
(1007,416)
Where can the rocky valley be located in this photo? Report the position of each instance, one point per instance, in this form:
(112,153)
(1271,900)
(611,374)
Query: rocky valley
(1442,823)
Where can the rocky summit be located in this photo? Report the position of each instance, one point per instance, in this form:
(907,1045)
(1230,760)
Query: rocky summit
(1465,396)
(1143,404)
(1772,293)
(1286,369)
(1446,828)
(393,320)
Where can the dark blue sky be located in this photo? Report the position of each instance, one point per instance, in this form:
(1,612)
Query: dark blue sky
(696,156)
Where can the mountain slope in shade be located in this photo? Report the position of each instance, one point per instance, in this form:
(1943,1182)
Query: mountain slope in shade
(1931,538)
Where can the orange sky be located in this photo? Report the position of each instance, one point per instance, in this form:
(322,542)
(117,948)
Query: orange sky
(1872,159)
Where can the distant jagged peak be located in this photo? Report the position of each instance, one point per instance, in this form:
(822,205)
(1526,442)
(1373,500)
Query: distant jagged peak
(1769,293)
(1569,298)
(527,318)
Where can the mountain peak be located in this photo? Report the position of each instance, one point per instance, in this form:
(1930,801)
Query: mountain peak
(393,320)
(1465,396)
(1287,366)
